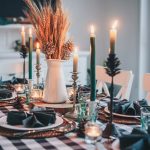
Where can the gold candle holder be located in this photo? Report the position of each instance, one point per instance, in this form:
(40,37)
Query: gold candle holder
(38,68)
(73,114)
(74,85)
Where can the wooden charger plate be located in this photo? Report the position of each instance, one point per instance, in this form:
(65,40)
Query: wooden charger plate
(120,115)
(60,108)
(70,126)
(103,116)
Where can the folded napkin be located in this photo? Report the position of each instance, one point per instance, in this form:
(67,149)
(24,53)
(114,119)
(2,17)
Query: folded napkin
(128,108)
(84,88)
(137,140)
(5,93)
(15,80)
(31,120)
(40,119)
(15,117)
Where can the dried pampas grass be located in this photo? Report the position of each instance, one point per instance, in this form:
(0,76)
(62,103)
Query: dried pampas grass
(51,27)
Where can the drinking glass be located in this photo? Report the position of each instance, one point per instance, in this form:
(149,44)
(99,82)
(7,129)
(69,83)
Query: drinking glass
(145,117)
(82,99)
(92,111)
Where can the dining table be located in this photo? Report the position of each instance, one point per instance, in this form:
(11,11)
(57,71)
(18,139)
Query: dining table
(68,141)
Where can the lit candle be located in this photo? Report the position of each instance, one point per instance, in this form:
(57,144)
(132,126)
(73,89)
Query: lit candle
(30,53)
(92,31)
(75,60)
(36,94)
(38,53)
(93,131)
(30,32)
(113,36)
(23,35)
(92,64)
(19,88)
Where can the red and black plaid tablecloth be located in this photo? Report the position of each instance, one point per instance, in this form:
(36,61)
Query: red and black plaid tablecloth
(67,142)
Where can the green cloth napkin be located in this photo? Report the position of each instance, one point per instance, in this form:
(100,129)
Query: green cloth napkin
(129,108)
(31,120)
(15,80)
(5,93)
(40,119)
(15,117)
(139,139)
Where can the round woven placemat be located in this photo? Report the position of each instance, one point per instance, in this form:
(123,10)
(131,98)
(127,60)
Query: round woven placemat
(103,116)
(70,126)
(7,103)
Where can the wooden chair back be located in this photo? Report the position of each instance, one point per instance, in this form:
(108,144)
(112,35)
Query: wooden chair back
(124,79)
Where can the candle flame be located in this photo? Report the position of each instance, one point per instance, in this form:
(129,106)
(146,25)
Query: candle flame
(115,24)
(37,45)
(76,50)
(92,29)
(22,29)
(109,50)
(30,31)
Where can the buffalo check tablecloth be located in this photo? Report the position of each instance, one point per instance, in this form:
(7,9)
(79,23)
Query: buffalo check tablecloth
(69,141)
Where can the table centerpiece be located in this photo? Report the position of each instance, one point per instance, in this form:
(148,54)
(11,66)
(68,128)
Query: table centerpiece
(51,25)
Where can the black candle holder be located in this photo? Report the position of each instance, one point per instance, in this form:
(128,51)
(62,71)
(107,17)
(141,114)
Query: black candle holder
(23,53)
(112,69)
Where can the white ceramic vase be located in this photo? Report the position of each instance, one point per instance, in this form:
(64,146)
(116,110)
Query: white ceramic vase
(55,89)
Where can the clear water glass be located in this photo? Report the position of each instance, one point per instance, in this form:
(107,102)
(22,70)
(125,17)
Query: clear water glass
(145,117)
(82,97)
(92,111)
(88,109)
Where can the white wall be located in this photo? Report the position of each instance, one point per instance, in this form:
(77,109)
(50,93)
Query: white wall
(102,13)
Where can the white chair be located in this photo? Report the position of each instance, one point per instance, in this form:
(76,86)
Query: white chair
(146,86)
(123,79)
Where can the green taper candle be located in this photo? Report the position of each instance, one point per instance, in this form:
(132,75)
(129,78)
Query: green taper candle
(30,53)
(93,80)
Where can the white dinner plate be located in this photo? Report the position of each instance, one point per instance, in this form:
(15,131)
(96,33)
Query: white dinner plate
(120,115)
(67,104)
(4,124)
(14,95)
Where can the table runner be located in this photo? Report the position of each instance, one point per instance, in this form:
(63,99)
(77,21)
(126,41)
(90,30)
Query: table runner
(69,141)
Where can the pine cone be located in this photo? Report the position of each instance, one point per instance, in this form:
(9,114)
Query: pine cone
(67,48)
(49,49)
